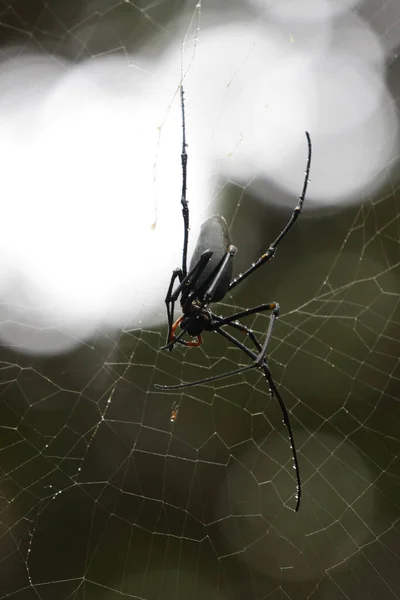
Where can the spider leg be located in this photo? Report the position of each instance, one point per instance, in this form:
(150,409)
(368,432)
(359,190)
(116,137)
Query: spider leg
(272,386)
(170,299)
(188,384)
(274,306)
(295,215)
(274,315)
(253,338)
(246,313)
(193,274)
(184,202)
(210,291)
(286,419)
(181,273)
(250,333)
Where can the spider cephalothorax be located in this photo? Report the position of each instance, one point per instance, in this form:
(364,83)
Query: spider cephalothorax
(195,318)
(208,280)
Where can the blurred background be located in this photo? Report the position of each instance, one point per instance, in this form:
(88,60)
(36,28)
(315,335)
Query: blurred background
(101,496)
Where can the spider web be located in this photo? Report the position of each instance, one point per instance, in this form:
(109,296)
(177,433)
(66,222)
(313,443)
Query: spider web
(103,498)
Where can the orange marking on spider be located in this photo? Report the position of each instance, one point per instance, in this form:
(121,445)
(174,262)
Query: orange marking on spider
(192,343)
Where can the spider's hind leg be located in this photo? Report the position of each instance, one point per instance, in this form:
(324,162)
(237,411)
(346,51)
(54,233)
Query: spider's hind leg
(232,321)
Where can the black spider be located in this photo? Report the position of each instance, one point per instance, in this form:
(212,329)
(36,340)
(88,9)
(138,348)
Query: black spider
(208,280)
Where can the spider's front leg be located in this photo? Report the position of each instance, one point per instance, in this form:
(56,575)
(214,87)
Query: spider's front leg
(270,253)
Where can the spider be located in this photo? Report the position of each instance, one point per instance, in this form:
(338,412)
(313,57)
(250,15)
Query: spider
(208,280)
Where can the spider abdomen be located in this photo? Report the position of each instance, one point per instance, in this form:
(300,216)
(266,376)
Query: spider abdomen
(214,236)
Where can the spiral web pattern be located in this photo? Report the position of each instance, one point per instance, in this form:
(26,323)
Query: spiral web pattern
(103,498)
